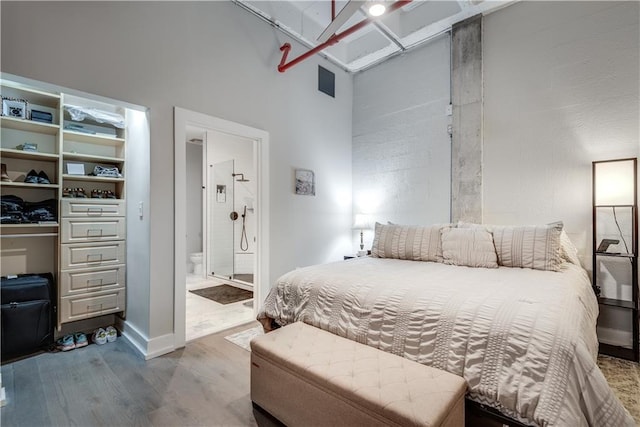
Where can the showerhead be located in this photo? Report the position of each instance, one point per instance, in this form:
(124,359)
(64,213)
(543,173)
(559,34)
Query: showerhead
(241,175)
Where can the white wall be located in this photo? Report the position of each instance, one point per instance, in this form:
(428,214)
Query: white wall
(214,58)
(401,148)
(561,86)
(561,89)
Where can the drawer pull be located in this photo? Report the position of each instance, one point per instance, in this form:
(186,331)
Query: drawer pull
(94,211)
(94,307)
(94,232)
(94,282)
(99,257)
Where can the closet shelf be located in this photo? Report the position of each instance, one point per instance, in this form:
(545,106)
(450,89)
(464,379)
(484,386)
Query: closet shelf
(21,235)
(91,158)
(34,186)
(35,96)
(70,135)
(28,155)
(32,225)
(91,178)
(28,125)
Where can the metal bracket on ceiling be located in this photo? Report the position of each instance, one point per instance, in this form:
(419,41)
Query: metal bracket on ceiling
(286,48)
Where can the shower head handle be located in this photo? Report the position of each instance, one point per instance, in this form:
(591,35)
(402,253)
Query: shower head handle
(241,175)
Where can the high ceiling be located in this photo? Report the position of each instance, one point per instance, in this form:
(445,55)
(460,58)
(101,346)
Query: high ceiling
(393,33)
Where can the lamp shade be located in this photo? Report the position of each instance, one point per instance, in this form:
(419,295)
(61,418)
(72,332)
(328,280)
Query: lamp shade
(363,222)
(614,182)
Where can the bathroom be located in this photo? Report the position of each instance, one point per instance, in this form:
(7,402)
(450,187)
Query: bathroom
(220,231)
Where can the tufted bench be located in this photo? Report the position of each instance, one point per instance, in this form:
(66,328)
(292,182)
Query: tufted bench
(305,376)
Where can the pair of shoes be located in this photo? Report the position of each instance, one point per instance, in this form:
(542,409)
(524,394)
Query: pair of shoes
(5,177)
(37,178)
(112,172)
(69,342)
(101,336)
(74,192)
(103,194)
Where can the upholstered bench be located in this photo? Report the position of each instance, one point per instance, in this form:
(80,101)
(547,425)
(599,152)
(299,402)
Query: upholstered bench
(305,376)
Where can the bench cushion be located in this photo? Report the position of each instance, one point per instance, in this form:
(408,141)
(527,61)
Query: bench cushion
(385,387)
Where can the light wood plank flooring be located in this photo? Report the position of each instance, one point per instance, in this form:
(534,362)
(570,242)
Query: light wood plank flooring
(204,384)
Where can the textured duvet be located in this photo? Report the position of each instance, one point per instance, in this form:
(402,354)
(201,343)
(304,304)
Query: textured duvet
(524,340)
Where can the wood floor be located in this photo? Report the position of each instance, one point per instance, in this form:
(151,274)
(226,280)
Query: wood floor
(204,384)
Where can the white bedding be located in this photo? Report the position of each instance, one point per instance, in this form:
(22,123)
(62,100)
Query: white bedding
(524,340)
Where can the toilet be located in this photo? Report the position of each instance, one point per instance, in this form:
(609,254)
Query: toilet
(196,260)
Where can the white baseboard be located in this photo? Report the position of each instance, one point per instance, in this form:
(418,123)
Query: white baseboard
(614,337)
(160,345)
(148,348)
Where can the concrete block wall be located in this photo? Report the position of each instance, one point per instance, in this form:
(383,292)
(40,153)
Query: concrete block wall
(401,148)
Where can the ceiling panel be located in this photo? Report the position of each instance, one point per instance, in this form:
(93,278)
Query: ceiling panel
(403,29)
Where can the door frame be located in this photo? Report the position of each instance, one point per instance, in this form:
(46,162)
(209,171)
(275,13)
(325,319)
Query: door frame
(183,118)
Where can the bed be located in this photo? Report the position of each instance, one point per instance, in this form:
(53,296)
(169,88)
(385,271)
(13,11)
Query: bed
(523,338)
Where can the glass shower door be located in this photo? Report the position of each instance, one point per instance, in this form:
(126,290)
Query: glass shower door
(220,222)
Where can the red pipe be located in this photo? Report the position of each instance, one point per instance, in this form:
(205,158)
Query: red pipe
(285,48)
(333,10)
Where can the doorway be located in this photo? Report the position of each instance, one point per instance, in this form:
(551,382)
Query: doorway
(246,189)
(231,185)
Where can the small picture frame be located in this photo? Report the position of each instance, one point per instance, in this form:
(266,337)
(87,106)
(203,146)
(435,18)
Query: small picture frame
(75,168)
(305,182)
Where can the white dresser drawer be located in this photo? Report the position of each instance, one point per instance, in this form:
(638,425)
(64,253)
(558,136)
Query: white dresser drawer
(89,255)
(95,280)
(92,229)
(73,207)
(84,306)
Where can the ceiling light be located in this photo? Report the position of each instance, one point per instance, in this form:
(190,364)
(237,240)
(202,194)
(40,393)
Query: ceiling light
(377,9)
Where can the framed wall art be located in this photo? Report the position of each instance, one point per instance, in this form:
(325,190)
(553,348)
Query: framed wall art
(305,182)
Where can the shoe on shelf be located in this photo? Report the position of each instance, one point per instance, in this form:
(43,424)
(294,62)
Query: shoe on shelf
(66,343)
(79,192)
(32,177)
(67,192)
(43,178)
(109,194)
(112,334)
(5,177)
(99,336)
(80,339)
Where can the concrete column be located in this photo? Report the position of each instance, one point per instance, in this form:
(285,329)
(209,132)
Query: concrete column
(466,150)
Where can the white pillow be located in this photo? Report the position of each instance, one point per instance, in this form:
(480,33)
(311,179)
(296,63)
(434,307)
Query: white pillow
(471,247)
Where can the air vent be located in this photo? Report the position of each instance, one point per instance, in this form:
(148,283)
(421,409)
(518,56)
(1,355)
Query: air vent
(326,81)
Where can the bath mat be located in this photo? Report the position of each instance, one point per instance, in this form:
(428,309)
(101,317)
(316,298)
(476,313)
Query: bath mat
(243,338)
(223,294)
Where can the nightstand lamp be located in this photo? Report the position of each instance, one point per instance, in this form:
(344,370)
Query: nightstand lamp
(362,222)
(615,254)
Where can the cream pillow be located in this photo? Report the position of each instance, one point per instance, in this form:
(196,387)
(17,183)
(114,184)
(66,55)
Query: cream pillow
(471,247)
(568,250)
(526,246)
(410,242)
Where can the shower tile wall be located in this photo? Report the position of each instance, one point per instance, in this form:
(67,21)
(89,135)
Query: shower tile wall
(194,201)
(240,150)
